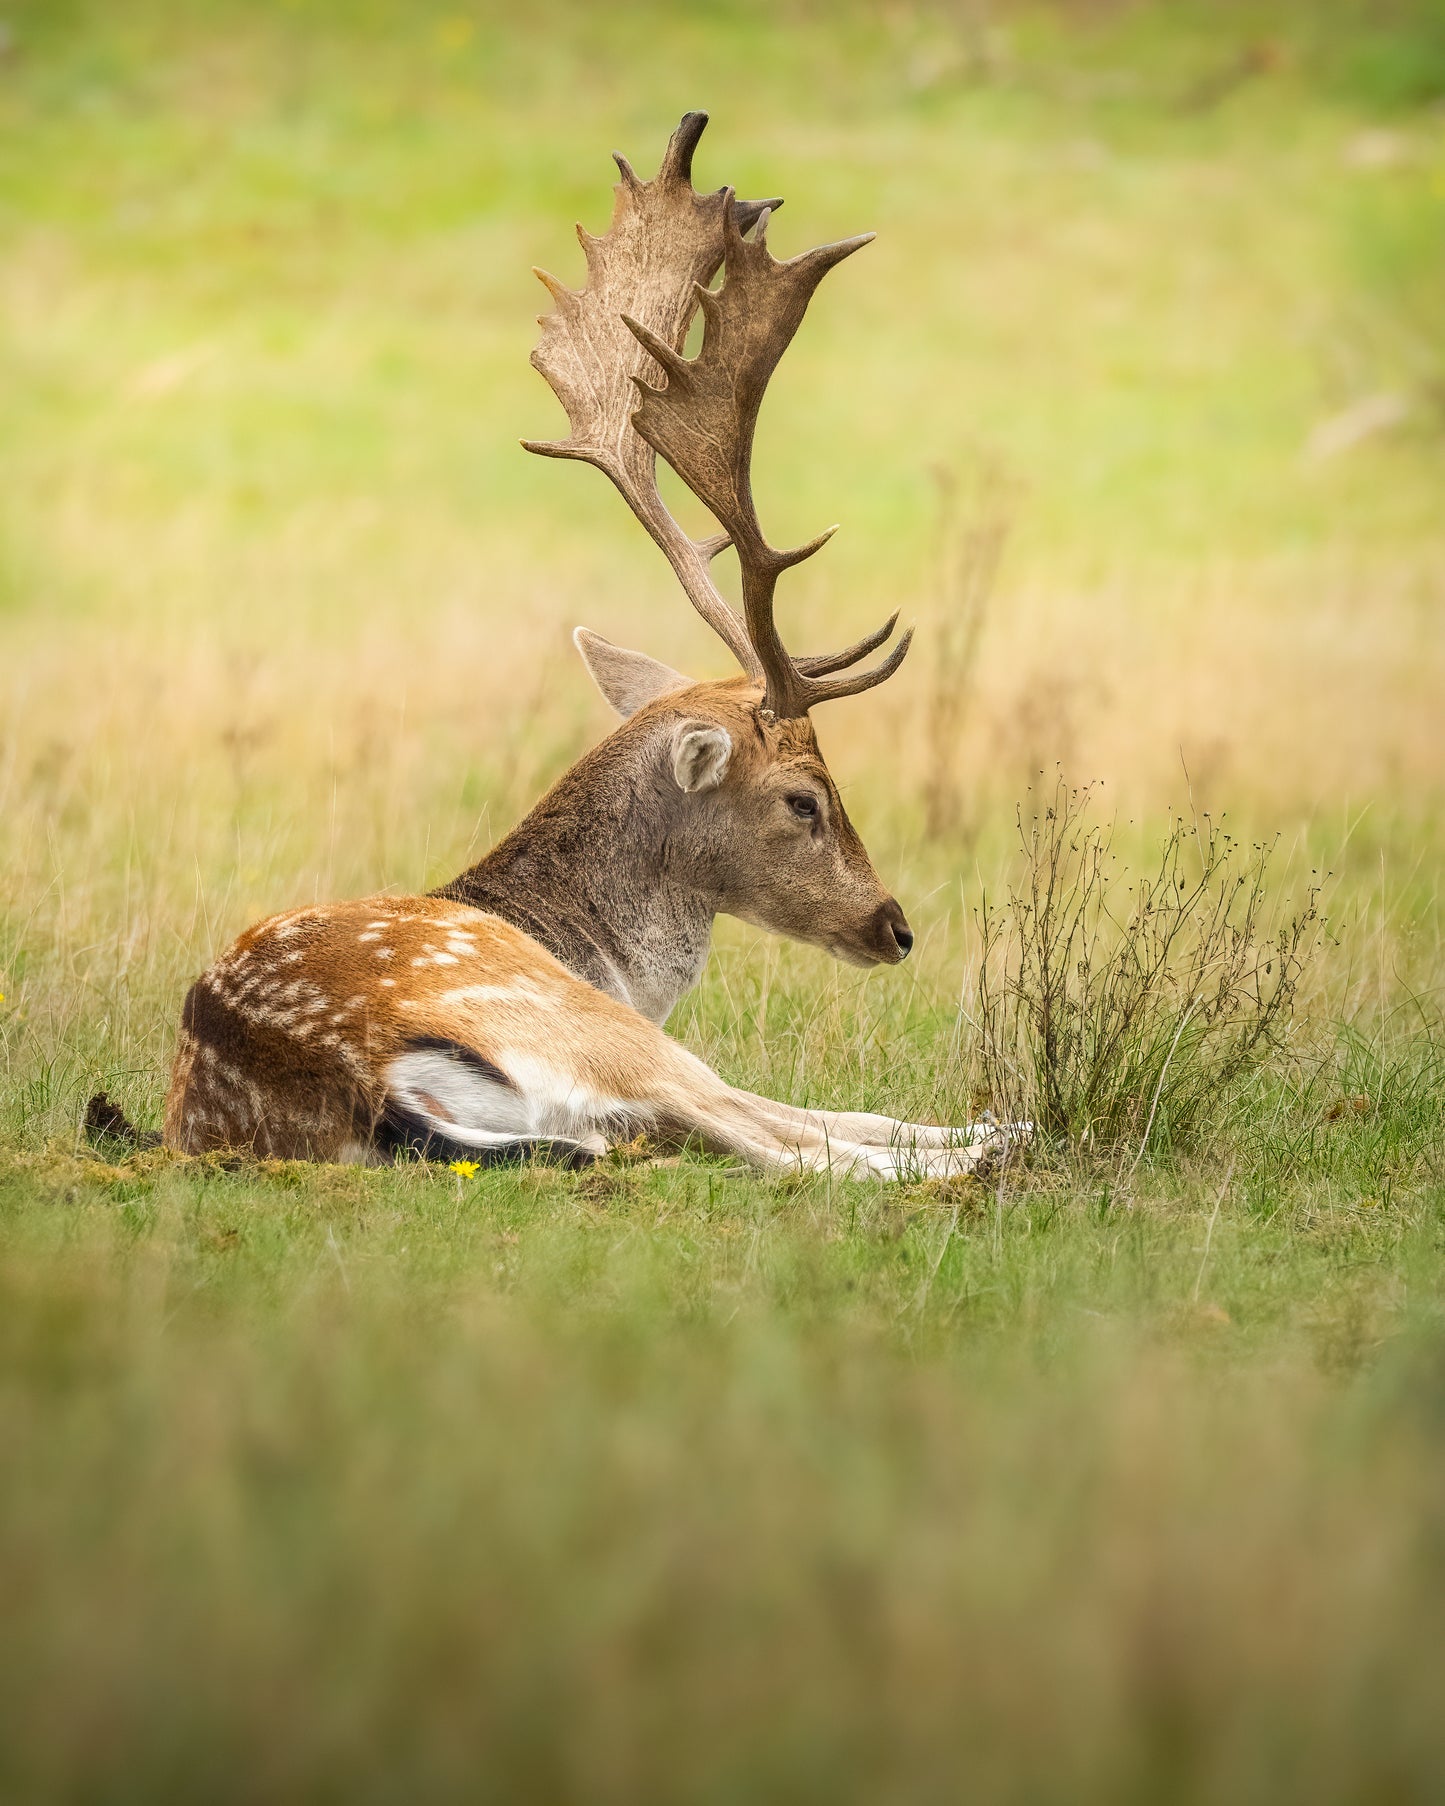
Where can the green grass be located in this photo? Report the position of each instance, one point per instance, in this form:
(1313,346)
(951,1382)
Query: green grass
(1113,1479)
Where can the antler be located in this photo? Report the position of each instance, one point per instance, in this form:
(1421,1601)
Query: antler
(664,240)
(646,278)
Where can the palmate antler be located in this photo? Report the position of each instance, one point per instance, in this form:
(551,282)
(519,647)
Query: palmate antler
(605,348)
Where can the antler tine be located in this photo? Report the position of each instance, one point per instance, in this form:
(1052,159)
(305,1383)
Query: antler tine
(819,689)
(665,242)
(819,664)
(676,163)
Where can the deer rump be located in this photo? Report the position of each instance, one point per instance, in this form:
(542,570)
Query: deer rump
(361,1031)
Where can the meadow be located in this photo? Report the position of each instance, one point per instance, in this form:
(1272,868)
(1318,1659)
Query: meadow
(1119,1475)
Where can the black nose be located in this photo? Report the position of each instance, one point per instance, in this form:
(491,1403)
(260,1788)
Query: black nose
(894,934)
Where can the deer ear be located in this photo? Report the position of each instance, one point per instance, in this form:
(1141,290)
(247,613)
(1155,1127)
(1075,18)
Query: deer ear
(700,754)
(629,680)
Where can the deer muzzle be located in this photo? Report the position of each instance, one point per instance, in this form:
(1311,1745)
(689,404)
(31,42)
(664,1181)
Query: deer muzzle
(892,935)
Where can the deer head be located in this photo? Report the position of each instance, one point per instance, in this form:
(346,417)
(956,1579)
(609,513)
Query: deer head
(753,799)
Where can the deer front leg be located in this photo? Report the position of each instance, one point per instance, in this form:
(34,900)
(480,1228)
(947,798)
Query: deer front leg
(697,1105)
(779,1139)
(872,1130)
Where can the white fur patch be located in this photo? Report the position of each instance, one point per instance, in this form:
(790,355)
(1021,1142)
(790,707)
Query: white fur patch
(458,1101)
(437,1086)
(559,1103)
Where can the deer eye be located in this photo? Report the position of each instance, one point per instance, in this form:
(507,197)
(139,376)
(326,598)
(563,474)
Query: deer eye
(804,807)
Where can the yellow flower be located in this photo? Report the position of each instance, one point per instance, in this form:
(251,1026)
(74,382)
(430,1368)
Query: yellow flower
(465,1169)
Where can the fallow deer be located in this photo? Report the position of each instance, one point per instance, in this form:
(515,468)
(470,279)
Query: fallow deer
(517,1011)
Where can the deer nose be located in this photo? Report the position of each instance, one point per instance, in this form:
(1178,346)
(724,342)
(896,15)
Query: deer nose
(895,929)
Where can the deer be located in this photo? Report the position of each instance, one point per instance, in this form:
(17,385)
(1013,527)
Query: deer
(516,1013)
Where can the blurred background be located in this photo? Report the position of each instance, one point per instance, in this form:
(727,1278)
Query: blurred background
(1159,292)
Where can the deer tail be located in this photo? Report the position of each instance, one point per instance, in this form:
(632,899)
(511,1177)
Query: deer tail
(106,1121)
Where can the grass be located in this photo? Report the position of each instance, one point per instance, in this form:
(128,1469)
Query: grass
(1117,1478)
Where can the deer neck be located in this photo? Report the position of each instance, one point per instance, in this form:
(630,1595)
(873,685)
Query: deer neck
(596,874)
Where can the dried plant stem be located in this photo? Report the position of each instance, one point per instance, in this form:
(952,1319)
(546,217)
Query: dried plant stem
(1154,1105)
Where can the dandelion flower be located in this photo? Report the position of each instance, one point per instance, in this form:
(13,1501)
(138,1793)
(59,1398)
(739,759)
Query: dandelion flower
(465,1169)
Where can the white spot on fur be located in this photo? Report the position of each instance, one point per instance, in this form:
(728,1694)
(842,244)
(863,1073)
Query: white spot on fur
(467,1106)
(475,994)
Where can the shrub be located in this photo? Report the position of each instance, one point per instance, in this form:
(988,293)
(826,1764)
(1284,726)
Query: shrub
(1118,1010)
